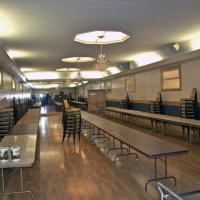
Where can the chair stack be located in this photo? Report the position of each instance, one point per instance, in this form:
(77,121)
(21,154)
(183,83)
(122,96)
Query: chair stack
(124,103)
(19,109)
(71,120)
(6,121)
(189,107)
(155,106)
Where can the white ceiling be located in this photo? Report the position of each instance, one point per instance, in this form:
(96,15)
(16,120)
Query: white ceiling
(45,29)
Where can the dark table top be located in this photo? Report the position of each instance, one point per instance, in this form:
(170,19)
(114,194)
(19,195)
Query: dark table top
(160,117)
(144,143)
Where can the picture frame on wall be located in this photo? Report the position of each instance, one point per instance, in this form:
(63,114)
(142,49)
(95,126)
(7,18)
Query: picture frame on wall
(1,79)
(130,83)
(108,85)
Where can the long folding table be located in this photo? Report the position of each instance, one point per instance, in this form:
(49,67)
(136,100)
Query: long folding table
(163,119)
(27,145)
(24,135)
(147,145)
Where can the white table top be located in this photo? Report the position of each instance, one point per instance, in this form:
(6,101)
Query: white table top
(27,145)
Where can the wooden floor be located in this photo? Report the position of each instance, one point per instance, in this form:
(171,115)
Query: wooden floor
(83,172)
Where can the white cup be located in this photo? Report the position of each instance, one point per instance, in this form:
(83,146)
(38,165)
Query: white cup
(15,152)
(4,156)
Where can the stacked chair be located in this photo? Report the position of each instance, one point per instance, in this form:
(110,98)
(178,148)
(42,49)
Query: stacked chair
(124,103)
(19,108)
(71,121)
(189,108)
(6,121)
(156,106)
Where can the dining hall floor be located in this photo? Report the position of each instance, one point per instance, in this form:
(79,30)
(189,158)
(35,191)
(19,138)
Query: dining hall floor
(83,172)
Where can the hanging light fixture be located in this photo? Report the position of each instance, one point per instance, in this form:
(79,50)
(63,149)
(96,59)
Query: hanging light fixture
(101,37)
(101,64)
(78,76)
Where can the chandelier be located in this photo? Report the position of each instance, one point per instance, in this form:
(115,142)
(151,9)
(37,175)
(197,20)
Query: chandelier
(78,76)
(101,64)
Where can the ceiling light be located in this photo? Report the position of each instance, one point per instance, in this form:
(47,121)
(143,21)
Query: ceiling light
(176,46)
(49,86)
(78,77)
(42,75)
(101,64)
(113,70)
(24,69)
(78,59)
(146,58)
(67,69)
(92,74)
(16,53)
(195,43)
(5,26)
(95,37)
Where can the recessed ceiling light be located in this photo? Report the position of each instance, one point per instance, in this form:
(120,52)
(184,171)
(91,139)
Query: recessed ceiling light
(42,75)
(16,54)
(176,46)
(5,25)
(24,69)
(195,43)
(78,59)
(146,58)
(101,37)
(113,70)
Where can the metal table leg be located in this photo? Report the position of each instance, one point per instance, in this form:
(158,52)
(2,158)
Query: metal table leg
(156,173)
(22,186)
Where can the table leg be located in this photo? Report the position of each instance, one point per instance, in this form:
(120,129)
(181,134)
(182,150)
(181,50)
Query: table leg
(2,178)
(156,173)
(22,186)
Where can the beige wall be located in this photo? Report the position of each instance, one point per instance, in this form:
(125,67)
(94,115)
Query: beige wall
(148,83)
(7,93)
(54,92)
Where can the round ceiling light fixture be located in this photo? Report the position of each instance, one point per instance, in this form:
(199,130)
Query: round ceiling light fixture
(101,37)
(78,59)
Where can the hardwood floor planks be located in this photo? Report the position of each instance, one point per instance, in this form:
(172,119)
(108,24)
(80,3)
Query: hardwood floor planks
(83,172)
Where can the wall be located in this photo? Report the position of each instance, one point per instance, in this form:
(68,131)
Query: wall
(53,92)
(148,83)
(82,90)
(7,93)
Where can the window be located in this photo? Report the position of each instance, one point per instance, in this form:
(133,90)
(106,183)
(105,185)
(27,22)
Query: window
(130,83)
(171,79)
